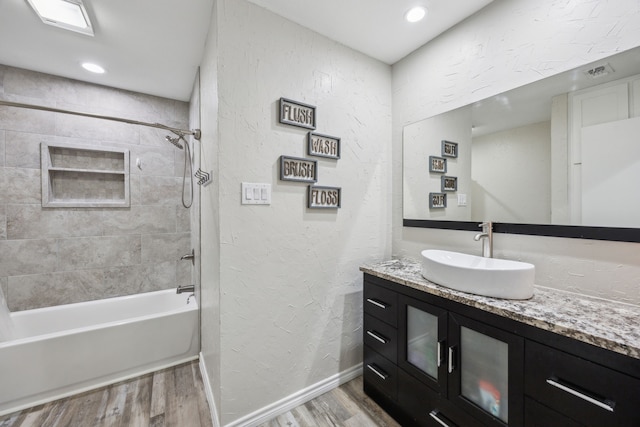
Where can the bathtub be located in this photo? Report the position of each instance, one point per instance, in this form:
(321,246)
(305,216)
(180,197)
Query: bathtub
(59,351)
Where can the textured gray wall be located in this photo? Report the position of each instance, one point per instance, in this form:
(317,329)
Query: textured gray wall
(52,256)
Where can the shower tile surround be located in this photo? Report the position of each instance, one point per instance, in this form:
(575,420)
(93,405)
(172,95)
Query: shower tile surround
(607,324)
(53,256)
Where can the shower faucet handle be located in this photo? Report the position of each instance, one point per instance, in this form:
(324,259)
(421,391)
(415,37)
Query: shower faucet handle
(191,256)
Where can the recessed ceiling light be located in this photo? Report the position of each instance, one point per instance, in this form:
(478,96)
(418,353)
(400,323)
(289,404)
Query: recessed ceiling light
(94,68)
(68,14)
(415,14)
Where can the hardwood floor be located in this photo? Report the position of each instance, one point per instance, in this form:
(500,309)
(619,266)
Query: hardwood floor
(167,398)
(345,406)
(175,397)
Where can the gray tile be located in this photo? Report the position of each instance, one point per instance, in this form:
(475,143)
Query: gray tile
(4,287)
(140,220)
(94,129)
(158,248)
(134,190)
(95,252)
(183,216)
(25,120)
(156,161)
(45,290)
(27,256)
(156,190)
(183,273)
(3,222)
(20,186)
(2,147)
(33,222)
(3,71)
(140,278)
(23,149)
(32,84)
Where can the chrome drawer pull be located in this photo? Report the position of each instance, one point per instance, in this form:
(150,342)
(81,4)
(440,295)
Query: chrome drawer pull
(603,405)
(434,414)
(376,303)
(377,337)
(440,358)
(378,373)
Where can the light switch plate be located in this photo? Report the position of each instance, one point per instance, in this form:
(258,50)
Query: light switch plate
(462,200)
(256,193)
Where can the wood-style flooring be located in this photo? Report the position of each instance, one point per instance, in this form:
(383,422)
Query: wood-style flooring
(174,397)
(345,406)
(166,398)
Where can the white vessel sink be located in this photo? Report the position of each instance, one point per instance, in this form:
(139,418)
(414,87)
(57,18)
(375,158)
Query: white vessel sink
(499,278)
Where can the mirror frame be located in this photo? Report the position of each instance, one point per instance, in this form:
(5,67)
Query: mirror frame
(613,234)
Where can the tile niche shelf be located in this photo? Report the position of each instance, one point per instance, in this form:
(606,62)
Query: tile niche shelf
(81,176)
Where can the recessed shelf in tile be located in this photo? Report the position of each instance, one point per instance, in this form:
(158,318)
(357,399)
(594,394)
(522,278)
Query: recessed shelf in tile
(78,176)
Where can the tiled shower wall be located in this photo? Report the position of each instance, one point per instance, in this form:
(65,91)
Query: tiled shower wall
(52,256)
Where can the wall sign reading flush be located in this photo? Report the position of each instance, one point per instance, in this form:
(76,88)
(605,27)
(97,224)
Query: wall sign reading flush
(324,197)
(297,114)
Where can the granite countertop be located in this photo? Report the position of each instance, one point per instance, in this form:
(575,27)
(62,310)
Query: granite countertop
(607,324)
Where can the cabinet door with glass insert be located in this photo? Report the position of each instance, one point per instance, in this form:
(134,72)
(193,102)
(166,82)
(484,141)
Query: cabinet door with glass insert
(422,342)
(486,371)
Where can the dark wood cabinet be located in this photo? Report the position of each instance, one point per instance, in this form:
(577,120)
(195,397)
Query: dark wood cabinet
(430,361)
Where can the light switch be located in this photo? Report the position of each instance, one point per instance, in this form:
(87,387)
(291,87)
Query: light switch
(462,200)
(256,193)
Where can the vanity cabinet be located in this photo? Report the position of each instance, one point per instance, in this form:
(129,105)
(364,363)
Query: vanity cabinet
(431,361)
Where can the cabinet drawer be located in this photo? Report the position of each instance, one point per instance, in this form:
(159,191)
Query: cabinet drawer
(426,407)
(381,303)
(380,373)
(587,392)
(381,337)
(537,415)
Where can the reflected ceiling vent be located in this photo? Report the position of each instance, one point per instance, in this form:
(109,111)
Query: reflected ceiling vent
(599,71)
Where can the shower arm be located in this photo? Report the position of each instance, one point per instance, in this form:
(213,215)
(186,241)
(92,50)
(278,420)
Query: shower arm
(196,133)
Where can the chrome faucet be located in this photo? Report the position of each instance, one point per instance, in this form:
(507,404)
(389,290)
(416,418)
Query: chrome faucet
(185,288)
(191,256)
(487,235)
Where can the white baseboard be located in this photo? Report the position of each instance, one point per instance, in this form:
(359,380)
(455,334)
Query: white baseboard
(298,398)
(209,392)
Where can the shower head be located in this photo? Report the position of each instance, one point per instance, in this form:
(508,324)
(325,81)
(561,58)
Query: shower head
(175,140)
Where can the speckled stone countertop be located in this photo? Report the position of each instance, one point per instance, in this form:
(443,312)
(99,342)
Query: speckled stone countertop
(607,324)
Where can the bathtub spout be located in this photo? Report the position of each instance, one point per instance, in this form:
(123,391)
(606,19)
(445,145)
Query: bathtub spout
(186,288)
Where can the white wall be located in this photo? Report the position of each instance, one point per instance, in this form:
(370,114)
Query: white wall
(508,44)
(511,173)
(290,289)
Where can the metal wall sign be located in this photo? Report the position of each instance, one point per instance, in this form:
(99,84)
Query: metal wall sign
(437,164)
(324,197)
(296,169)
(297,114)
(449,149)
(448,183)
(323,145)
(437,200)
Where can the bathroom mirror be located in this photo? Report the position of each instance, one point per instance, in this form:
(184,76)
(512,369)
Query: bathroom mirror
(557,157)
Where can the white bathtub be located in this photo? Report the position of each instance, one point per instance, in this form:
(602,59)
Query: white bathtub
(63,350)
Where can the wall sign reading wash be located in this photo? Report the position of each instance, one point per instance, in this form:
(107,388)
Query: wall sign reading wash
(324,197)
(324,146)
(296,169)
(297,114)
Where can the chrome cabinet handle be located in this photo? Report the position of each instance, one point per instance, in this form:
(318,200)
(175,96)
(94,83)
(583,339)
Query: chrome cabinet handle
(377,337)
(440,358)
(452,354)
(604,405)
(434,414)
(378,373)
(376,303)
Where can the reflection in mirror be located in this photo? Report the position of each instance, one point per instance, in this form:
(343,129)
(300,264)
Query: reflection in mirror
(563,150)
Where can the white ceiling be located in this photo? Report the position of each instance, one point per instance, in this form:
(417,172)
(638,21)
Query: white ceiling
(155,46)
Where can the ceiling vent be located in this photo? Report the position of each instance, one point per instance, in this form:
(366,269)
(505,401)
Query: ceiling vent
(599,71)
